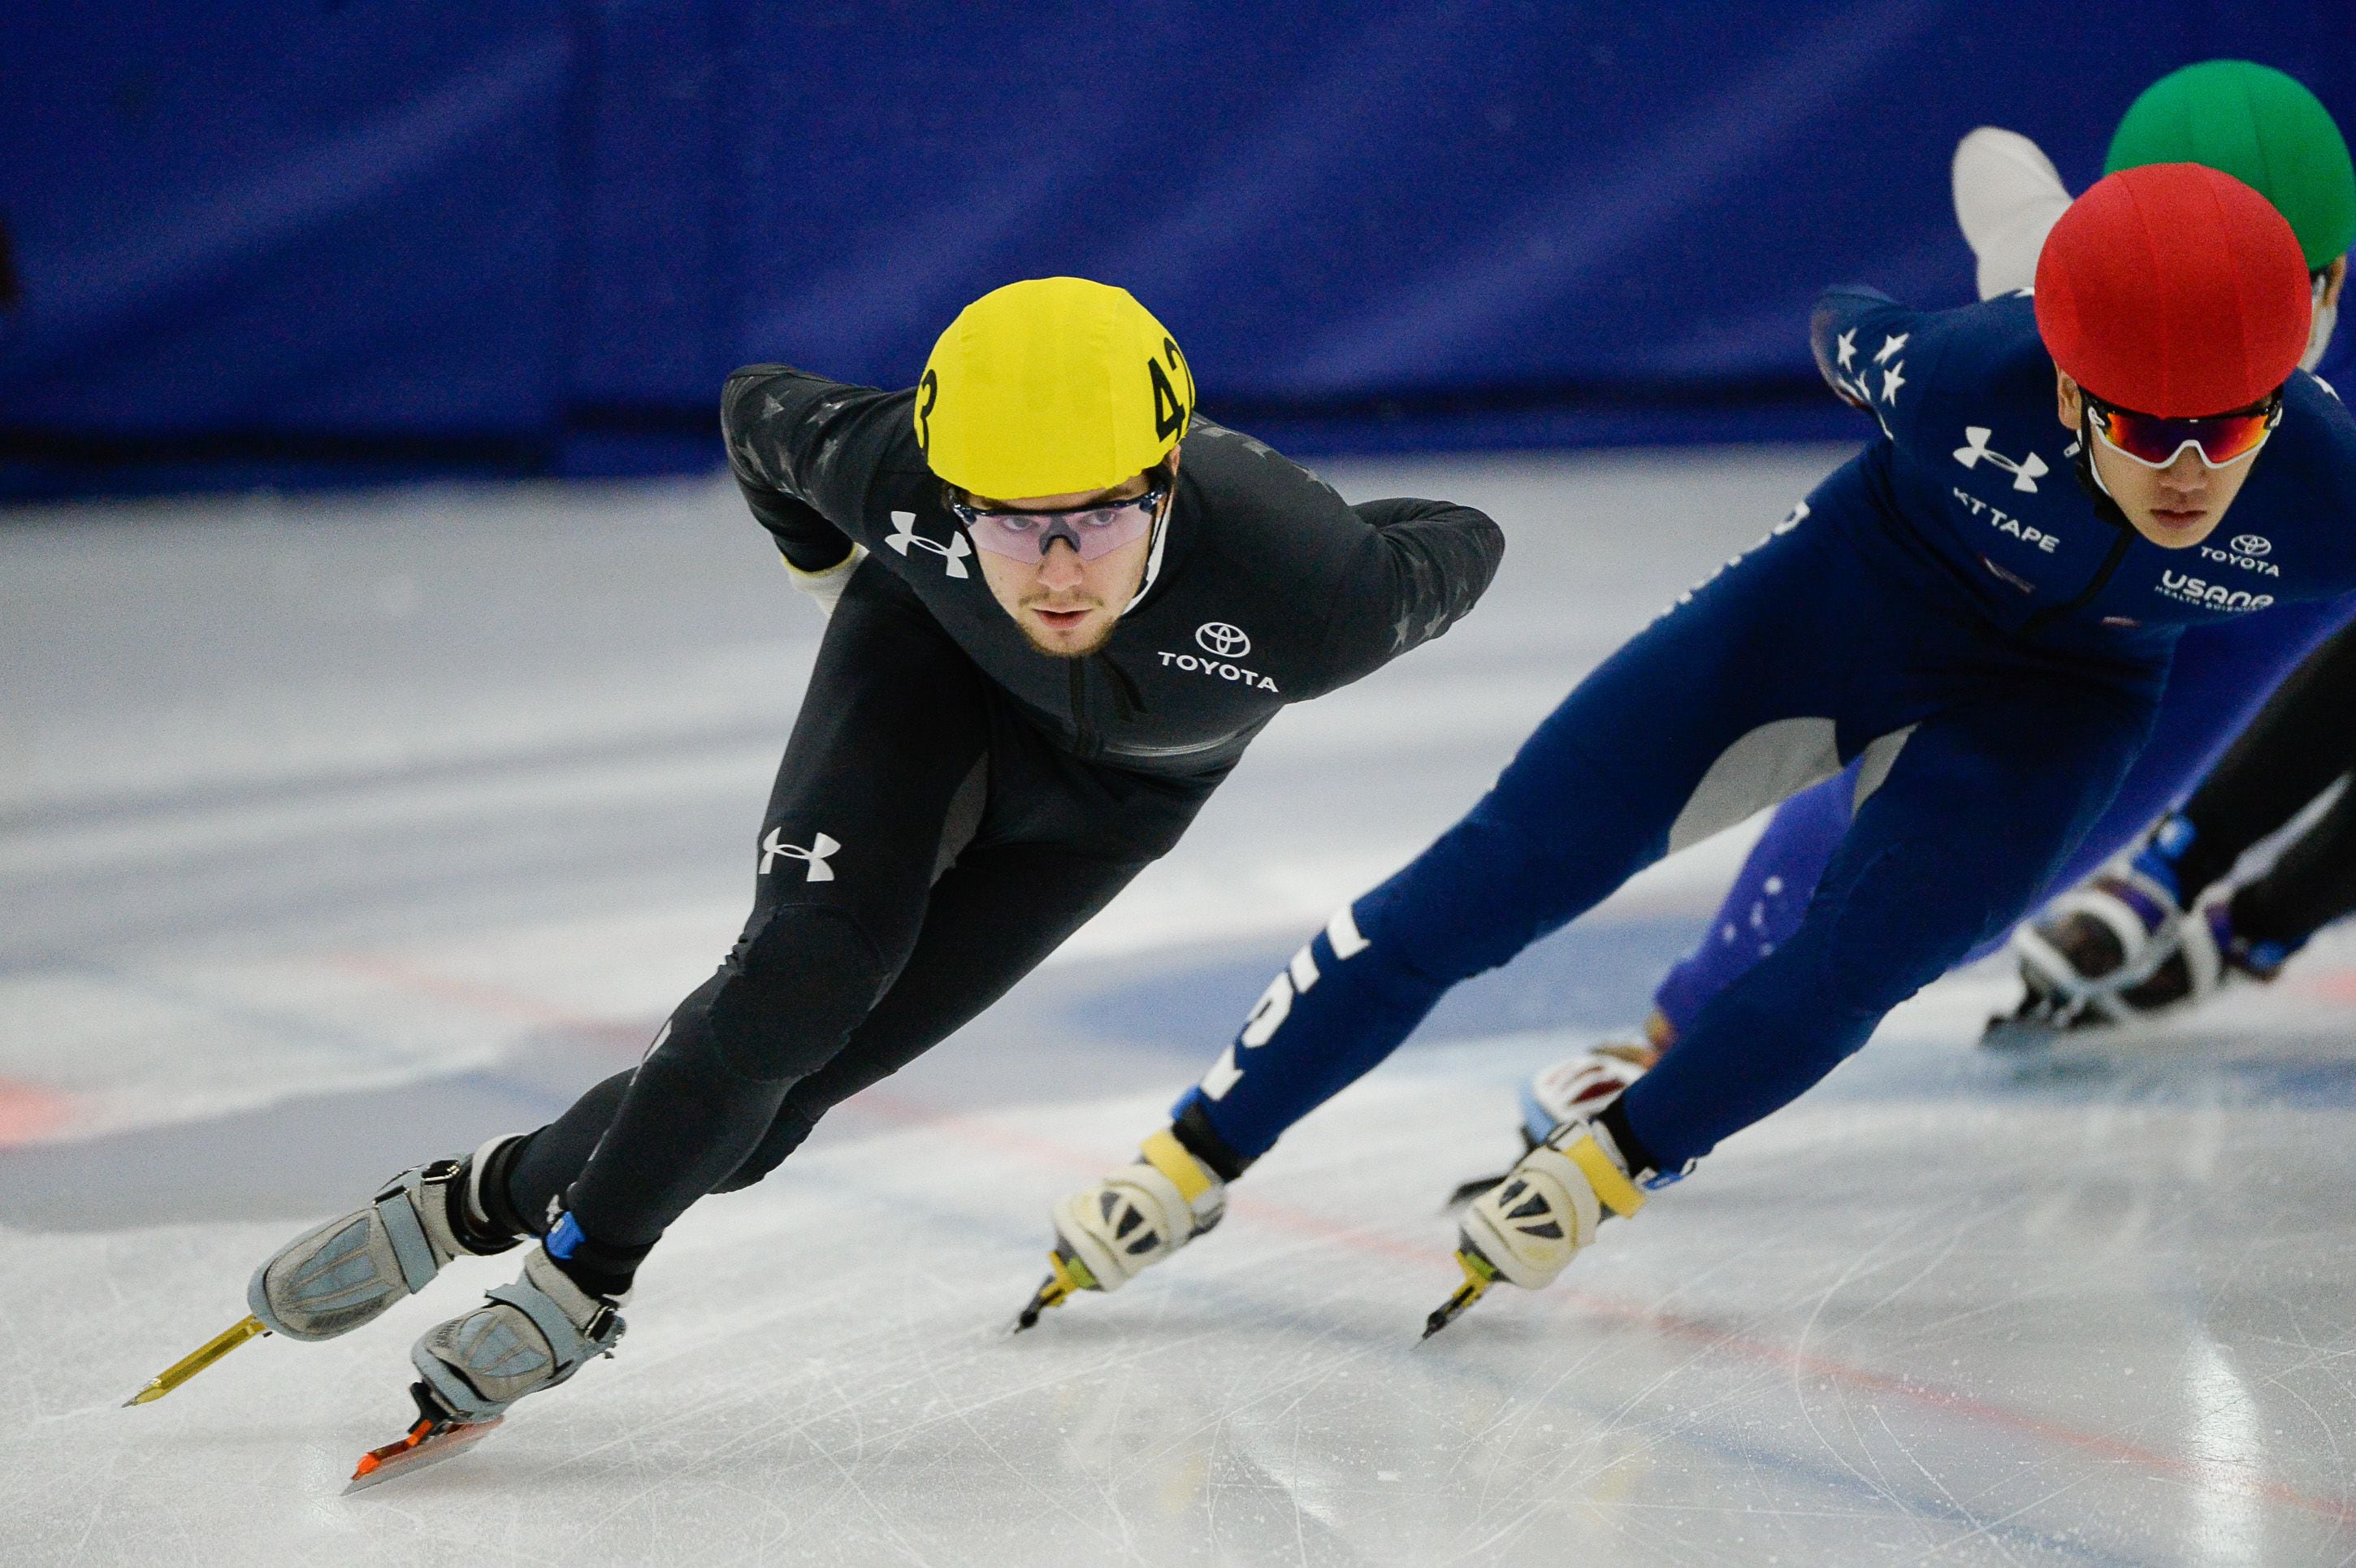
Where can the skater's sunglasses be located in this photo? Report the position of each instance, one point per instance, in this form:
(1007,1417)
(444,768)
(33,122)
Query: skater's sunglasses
(1092,531)
(2221,438)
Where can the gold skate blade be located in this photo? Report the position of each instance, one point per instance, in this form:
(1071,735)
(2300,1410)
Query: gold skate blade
(198,1359)
(1066,1276)
(1478,1277)
(1051,1293)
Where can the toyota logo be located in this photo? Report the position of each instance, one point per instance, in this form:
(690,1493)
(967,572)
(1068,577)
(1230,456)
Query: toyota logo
(1226,642)
(2251,544)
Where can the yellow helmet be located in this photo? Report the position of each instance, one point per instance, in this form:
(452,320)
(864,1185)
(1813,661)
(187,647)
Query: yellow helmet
(1052,386)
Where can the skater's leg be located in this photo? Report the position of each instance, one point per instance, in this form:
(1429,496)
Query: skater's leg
(994,917)
(2219,688)
(1688,729)
(1770,895)
(1984,803)
(2088,953)
(2300,741)
(2312,885)
(894,725)
(537,1173)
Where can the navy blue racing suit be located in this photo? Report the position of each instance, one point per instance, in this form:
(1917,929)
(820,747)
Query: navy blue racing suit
(1956,611)
(2221,675)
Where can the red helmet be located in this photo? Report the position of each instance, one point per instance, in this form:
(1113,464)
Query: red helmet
(2173,290)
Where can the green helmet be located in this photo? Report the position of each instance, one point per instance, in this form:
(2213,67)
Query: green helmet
(2260,126)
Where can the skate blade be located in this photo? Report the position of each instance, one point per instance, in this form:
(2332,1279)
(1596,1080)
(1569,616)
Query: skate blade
(197,1360)
(1478,1277)
(2019,1034)
(1068,1274)
(428,1443)
(1051,1293)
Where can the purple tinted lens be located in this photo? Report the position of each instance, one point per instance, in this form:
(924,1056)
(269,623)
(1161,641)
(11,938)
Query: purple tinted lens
(1026,535)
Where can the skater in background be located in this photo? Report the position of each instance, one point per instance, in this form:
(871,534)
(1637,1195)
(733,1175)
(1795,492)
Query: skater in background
(1062,603)
(1979,610)
(2166,929)
(2271,132)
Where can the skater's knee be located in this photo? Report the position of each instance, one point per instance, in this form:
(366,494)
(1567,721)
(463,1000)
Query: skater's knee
(797,983)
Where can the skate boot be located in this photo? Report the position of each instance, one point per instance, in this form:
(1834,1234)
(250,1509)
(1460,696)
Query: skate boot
(526,1336)
(2099,940)
(1528,1228)
(1578,1087)
(1575,1089)
(2007,197)
(2208,953)
(1108,1234)
(332,1279)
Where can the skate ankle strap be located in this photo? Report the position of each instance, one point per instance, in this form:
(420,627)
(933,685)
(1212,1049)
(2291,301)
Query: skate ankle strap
(412,1243)
(1610,1183)
(1165,1153)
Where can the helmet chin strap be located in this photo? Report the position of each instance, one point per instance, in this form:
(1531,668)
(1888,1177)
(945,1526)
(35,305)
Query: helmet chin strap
(1154,551)
(2090,477)
(2319,332)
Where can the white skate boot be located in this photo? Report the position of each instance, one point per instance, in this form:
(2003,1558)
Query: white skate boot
(1576,1088)
(2208,954)
(1108,1234)
(337,1276)
(2097,942)
(1527,1230)
(2009,196)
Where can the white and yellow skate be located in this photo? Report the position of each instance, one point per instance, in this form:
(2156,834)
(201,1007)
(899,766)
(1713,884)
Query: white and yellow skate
(1106,1235)
(1526,1230)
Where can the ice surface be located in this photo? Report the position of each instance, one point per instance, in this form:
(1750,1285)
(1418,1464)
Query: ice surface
(337,834)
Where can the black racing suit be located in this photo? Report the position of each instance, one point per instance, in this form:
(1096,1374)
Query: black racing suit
(2302,742)
(952,803)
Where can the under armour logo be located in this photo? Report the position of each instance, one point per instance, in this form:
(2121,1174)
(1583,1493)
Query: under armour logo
(904,534)
(775,846)
(2024,473)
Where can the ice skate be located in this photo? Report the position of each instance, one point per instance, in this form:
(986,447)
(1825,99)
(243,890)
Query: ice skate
(2208,955)
(2007,197)
(1527,1230)
(2098,941)
(333,1278)
(1575,1089)
(526,1336)
(1108,1234)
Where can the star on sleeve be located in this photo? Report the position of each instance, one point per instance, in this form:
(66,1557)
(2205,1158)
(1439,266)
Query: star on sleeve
(1892,377)
(1891,345)
(1846,348)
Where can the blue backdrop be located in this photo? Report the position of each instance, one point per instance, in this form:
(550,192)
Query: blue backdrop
(280,241)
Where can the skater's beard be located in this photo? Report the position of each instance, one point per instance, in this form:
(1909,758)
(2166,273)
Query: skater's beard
(1099,627)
